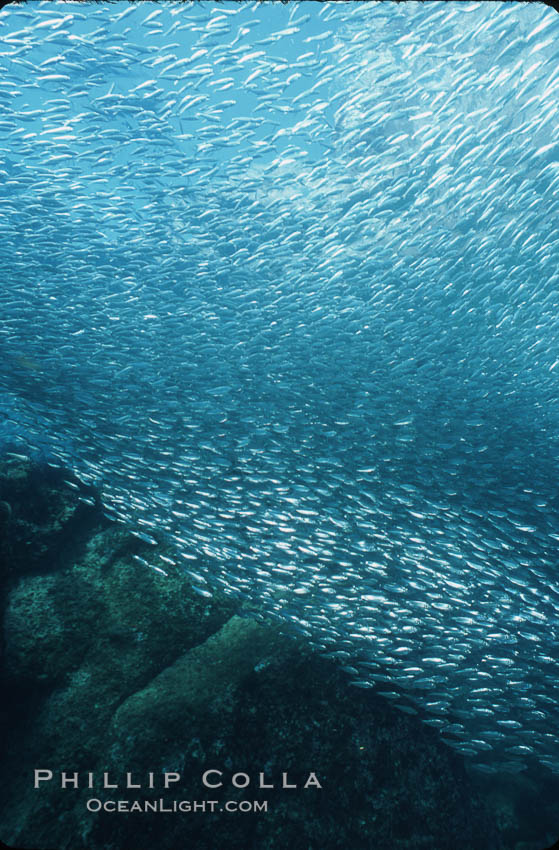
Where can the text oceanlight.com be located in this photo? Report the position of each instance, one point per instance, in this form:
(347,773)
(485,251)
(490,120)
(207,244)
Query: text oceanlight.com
(173,806)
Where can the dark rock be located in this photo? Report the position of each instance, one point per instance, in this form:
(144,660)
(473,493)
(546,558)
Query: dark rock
(43,519)
(111,666)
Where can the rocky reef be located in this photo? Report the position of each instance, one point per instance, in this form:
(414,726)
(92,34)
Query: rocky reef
(111,668)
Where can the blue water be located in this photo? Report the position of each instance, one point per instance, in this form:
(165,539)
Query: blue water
(281,280)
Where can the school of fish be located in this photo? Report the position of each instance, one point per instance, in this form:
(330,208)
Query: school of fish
(283,280)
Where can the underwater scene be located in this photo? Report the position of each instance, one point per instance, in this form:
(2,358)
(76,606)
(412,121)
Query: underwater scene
(279,423)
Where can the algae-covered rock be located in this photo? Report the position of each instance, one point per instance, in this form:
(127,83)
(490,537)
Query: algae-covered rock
(113,667)
(45,622)
(199,681)
(44,515)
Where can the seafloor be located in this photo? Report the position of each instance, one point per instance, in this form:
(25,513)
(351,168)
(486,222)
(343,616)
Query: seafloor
(111,666)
